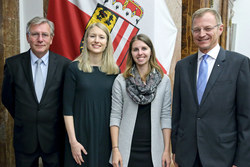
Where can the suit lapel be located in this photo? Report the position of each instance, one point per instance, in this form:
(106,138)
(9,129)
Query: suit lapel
(217,69)
(26,63)
(192,74)
(51,72)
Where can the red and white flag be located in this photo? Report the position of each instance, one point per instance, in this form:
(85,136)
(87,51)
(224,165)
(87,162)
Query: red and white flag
(124,19)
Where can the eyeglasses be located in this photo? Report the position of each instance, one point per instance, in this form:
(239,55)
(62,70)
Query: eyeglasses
(36,35)
(197,30)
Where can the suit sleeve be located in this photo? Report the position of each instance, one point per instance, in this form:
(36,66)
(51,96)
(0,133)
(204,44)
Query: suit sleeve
(8,92)
(176,108)
(243,115)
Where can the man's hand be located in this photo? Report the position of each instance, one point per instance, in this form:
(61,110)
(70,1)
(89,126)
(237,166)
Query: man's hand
(175,164)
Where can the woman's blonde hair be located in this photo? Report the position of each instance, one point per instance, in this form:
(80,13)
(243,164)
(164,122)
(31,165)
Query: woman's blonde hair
(108,64)
(153,64)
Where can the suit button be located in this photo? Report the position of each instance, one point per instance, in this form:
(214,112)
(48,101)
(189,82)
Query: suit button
(198,118)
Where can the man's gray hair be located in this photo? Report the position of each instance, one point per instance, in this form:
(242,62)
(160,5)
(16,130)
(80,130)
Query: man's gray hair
(40,20)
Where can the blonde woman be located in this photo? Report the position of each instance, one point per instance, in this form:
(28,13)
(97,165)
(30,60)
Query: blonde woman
(87,100)
(140,121)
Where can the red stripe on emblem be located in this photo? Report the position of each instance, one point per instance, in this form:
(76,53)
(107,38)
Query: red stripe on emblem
(120,34)
(121,61)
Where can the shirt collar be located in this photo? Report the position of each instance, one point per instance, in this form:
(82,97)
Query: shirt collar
(45,58)
(213,53)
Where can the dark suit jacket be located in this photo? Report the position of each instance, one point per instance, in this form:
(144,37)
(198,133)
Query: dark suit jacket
(219,128)
(35,123)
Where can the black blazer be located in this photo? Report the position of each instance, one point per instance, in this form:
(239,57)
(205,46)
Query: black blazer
(35,123)
(219,128)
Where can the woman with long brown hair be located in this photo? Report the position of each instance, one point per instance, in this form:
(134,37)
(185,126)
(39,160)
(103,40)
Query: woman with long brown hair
(140,121)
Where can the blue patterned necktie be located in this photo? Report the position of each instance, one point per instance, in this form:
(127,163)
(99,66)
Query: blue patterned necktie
(39,85)
(202,77)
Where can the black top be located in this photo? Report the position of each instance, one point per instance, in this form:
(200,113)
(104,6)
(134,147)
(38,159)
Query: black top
(141,143)
(142,130)
(87,96)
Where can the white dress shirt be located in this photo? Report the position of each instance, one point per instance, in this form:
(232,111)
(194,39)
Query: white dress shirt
(44,65)
(210,60)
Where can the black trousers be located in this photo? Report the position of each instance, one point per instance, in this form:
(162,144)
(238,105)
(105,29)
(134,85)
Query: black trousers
(31,160)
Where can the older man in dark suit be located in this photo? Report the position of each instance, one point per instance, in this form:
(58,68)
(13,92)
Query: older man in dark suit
(32,93)
(211,101)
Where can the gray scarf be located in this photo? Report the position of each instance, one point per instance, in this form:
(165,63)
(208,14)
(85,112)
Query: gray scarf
(138,91)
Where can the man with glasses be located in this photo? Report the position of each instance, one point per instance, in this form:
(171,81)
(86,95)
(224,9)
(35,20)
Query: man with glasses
(211,101)
(32,93)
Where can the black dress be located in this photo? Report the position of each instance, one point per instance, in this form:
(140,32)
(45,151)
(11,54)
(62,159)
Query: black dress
(87,96)
(140,155)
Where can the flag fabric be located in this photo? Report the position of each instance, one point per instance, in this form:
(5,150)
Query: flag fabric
(124,19)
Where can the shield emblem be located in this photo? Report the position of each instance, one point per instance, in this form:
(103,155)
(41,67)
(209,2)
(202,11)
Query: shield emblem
(121,30)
